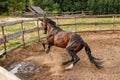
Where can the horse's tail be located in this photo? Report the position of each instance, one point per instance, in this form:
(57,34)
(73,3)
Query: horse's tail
(91,58)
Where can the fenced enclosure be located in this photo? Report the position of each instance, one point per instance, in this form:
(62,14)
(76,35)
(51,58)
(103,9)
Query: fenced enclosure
(90,23)
(18,33)
(21,32)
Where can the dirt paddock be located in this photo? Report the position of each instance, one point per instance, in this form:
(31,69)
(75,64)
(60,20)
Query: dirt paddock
(104,45)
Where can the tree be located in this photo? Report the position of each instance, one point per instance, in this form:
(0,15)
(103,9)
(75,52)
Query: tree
(31,3)
(16,5)
(97,6)
(3,6)
(47,5)
(56,8)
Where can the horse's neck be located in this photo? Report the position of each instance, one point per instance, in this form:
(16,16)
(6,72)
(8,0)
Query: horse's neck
(50,29)
(58,28)
(53,30)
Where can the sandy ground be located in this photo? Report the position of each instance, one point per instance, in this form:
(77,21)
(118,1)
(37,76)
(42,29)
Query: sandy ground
(104,45)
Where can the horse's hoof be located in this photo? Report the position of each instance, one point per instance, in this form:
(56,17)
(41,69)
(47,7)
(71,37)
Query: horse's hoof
(69,67)
(64,63)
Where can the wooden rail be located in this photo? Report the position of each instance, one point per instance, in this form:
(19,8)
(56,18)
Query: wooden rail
(15,22)
(91,23)
(86,16)
(5,38)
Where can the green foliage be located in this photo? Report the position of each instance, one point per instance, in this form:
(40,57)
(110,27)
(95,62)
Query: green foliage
(97,6)
(16,5)
(31,2)
(13,43)
(56,7)
(104,6)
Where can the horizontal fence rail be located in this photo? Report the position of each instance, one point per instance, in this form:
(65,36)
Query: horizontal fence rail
(5,38)
(86,16)
(91,23)
(17,34)
(15,22)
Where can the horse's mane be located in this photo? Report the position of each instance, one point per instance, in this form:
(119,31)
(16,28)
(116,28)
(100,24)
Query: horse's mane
(52,23)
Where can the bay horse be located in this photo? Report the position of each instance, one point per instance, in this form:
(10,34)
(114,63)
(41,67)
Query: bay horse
(69,40)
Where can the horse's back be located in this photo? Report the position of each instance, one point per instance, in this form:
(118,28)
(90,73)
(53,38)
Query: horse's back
(62,38)
(64,34)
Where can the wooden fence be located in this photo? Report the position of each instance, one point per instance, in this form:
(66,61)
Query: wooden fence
(95,23)
(69,13)
(15,35)
(5,38)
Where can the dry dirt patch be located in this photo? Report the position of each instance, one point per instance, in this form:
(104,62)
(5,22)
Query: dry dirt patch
(105,45)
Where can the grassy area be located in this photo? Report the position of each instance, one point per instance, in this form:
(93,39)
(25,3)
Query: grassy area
(89,27)
(85,20)
(16,28)
(28,25)
(13,43)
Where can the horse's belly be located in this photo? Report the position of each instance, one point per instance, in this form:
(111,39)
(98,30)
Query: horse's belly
(60,42)
(61,39)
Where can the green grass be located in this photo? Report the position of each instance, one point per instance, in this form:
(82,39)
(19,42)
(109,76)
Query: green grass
(85,20)
(13,28)
(10,44)
(88,27)
(28,25)
(16,28)
(13,43)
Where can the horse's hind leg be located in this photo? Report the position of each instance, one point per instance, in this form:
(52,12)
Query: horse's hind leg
(73,55)
(66,62)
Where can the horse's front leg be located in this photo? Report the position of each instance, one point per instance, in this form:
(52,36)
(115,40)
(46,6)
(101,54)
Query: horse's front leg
(48,48)
(49,42)
(43,44)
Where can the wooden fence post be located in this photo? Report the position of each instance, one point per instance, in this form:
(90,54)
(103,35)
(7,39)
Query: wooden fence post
(57,20)
(3,34)
(95,25)
(113,23)
(23,38)
(38,29)
(63,14)
(75,25)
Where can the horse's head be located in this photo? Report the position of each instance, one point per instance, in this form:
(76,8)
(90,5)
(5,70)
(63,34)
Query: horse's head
(45,22)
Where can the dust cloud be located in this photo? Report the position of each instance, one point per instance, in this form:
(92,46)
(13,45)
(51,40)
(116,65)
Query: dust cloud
(51,60)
